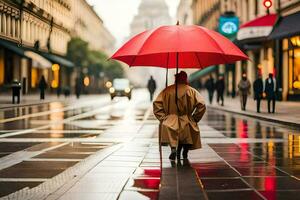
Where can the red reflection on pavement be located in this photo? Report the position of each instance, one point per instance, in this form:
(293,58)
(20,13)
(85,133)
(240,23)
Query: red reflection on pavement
(243,128)
(147,183)
(270,183)
(244,154)
(152,172)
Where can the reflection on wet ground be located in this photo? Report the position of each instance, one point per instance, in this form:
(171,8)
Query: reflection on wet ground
(29,164)
(262,163)
(241,158)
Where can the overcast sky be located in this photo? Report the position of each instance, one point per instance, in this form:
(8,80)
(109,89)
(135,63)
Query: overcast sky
(118,14)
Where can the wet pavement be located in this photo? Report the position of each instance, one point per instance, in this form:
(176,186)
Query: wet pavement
(109,150)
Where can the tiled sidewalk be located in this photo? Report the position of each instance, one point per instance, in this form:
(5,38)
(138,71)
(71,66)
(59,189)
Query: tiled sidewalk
(225,168)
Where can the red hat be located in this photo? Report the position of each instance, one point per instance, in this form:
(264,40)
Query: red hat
(181,76)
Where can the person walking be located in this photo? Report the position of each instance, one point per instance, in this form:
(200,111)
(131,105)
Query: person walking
(220,87)
(42,87)
(270,90)
(151,87)
(258,89)
(244,89)
(179,128)
(16,91)
(78,85)
(210,87)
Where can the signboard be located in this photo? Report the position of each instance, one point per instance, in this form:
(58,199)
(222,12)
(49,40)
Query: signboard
(254,32)
(229,26)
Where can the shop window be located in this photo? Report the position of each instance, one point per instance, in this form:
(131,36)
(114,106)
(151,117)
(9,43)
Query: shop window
(294,65)
(34,77)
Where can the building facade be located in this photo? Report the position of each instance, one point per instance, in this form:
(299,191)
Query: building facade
(185,12)
(87,25)
(256,25)
(29,26)
(151,14)
(34,35)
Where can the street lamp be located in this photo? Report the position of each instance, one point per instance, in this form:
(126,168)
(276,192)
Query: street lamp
(268,4)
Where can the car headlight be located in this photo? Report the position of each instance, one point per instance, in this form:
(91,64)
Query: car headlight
(127,90)
(111,90)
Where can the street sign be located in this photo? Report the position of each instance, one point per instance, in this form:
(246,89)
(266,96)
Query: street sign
(229,26)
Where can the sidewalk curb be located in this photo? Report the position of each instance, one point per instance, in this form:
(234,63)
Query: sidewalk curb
(288,123)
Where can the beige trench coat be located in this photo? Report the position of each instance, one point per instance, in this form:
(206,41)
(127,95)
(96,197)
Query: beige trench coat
(181,128)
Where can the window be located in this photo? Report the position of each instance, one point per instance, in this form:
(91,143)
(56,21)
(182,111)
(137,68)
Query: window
(294,64)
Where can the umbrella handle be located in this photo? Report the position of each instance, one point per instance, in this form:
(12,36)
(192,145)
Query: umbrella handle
(176,83)
(167,70)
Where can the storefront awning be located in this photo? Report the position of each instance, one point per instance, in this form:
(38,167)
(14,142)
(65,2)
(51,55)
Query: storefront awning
(57,59)
(286,27)
(37,60)
(13,47)
(201,73)
(258,28)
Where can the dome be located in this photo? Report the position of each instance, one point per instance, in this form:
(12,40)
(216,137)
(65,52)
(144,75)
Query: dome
(148,4)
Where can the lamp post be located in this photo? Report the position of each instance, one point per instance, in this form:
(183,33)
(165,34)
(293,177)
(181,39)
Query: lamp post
(268,4)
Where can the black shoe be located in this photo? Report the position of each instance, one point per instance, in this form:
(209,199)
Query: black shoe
(173,154)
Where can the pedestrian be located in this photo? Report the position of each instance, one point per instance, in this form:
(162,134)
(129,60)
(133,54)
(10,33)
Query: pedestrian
(179,128)
(16,90)
(220,87)
(244,89)
(43,87)
(78,85)
(151,87)
(270,90)
(210,86)
(258,89)
(58,92)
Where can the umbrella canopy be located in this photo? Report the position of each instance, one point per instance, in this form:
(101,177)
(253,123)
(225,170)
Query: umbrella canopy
(179,47)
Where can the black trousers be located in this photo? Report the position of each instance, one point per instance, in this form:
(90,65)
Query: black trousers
(18,98)
(258,100)
(243,101)
(151,95)
(273,99)
(42,96)
(220,96)
(210,96)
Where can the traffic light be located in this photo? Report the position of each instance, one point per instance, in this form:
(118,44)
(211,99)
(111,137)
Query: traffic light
(268,3)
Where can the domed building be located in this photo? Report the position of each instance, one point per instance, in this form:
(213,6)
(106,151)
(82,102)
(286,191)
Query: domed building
(151,14)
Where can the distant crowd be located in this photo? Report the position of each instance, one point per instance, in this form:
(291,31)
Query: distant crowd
(261,89)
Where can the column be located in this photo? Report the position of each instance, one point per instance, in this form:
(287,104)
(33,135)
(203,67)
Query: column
(13,27)
(8,25)
(4,23)
(1,26)
(24,75)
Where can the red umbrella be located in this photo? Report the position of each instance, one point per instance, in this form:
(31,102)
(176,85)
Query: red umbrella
(179,46)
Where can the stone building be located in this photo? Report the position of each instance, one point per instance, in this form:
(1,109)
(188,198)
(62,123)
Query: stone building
(256,25)
(185,12)
(34,35)
(151,14)
(89,26)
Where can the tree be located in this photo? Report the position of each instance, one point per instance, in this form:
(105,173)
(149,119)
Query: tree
(113,69)
(77,52)
(92,63)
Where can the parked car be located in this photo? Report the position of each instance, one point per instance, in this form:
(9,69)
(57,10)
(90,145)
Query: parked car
(120,87)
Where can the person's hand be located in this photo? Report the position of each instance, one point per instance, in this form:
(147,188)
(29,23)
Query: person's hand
(264,95)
